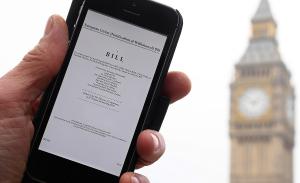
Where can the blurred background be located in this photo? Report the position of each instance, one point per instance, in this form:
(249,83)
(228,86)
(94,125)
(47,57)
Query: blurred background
(238,123)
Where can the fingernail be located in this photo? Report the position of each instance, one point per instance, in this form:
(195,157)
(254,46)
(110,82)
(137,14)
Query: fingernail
(155,142)
(49,26)
(134,179)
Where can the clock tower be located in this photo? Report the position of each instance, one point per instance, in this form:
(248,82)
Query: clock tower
(262,109)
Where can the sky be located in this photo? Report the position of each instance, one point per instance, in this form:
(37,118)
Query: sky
(214,37)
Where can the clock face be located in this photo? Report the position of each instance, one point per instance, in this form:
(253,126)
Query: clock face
(290,110)
(254,102)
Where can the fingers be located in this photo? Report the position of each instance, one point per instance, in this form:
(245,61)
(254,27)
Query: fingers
(176,86)
(150,144)
(133,178)
(150,147)
(39,66)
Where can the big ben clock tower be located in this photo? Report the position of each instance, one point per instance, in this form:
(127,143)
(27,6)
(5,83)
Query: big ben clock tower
(262,109)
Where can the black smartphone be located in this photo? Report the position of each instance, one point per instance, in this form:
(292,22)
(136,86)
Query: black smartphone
(119,54)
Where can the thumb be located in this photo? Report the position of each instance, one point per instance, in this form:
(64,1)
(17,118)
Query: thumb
(34,73)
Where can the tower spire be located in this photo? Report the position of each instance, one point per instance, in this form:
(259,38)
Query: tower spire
(263,12)
(263,44)
(263,23)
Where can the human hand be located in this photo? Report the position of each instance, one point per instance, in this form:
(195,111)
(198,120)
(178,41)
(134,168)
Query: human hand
(22,87)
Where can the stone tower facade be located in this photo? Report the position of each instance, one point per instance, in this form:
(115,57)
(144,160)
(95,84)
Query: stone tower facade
(262,109)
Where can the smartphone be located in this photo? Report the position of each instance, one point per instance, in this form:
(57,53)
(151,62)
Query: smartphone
(87,127)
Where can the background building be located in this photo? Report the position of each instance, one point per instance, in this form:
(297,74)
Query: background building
(262,109)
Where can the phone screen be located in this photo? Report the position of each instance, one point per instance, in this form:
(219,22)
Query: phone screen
(103,93)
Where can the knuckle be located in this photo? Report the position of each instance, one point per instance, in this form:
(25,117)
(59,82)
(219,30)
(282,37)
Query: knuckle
(37,61)
(38,53)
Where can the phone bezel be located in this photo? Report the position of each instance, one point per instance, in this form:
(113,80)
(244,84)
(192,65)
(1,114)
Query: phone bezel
(148,15)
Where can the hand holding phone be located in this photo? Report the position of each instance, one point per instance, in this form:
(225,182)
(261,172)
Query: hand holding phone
(20,90)
(99,103)
(12,91)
